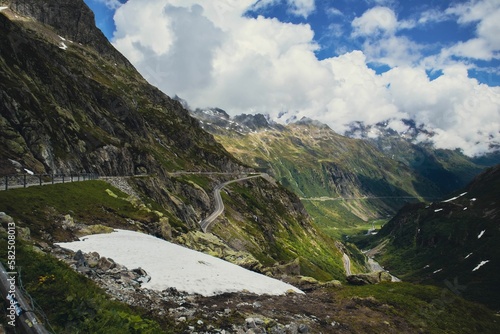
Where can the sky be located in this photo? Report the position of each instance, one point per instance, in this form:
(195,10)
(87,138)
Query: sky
(337,61)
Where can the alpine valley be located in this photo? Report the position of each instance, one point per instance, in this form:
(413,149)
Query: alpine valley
(304,200)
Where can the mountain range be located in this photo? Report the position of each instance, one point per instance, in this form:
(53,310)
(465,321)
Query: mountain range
(70,103)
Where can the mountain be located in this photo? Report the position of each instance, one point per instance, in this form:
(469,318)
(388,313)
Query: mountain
(344,179)
(71,103)
(453,242)
(412,146)
(66,75)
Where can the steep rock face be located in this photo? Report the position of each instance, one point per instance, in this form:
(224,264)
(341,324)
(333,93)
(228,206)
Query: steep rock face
(113,122)
(71,19)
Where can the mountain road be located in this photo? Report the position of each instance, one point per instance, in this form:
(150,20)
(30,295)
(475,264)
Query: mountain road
(219,205)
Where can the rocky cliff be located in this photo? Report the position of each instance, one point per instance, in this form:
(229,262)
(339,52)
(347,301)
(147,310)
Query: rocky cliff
(70,102)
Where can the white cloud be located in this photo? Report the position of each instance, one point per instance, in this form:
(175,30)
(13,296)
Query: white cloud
(332,11)
(375,21)
(393,51)
(486,15)
(210,54)
(111,4)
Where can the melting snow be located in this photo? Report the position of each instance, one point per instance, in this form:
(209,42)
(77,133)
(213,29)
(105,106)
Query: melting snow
(171,265)
(427,266)
(436,271)
(437,210)
(465,208)
(473,199)
(2,8)
(481,234)
(63,46)
(467,256)
(62,38)
(28,171)
(454,198)
(480,265)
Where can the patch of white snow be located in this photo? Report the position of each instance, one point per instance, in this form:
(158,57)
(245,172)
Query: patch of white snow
(473,199)
(482,263)
(454,198)
(436,271)
(2,8)
(62,38)
(467,256)
(171,265)
(437,210)
(465,208)
(63,46)
(481,234)
(28,171)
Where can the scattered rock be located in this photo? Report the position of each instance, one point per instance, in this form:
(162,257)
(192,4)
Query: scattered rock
(369,278)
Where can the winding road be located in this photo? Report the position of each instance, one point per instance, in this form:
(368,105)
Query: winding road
(219,205)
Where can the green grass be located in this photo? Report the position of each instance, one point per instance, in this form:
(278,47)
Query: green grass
(40,207)
(277,236)
(427,309)
(71,302)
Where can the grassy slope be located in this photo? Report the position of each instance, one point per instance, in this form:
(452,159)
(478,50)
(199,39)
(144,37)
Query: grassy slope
(314,161)
(84,308)
(444,247)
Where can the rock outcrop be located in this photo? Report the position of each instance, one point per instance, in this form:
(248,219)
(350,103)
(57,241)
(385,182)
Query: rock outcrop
(369,278)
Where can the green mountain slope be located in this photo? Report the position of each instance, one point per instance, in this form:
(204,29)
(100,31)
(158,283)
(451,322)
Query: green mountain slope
(452,243)
(342,181)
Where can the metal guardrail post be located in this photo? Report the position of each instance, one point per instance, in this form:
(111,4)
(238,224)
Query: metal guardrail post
(15,300)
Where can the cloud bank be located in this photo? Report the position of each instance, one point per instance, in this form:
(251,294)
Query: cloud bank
(212,54)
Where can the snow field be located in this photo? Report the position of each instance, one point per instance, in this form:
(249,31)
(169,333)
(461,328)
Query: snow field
(171,265)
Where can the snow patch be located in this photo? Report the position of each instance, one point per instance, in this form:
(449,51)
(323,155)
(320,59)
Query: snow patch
(482,263)
(465,209)
(473,199)
(2,8)
(63,46)
(436,271)
(427,266)
(62,38)
(454,198)
(437,210)
(467,256)
(171,265)
(481,234)
(28,171)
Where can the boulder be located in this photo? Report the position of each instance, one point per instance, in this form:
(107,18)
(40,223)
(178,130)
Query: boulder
(369,278)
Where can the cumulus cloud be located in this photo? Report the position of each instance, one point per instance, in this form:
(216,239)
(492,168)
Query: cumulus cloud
(375,21)
(211,54)
(486,14)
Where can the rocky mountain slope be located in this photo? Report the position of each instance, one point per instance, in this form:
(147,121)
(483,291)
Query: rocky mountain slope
(70,102)
(342,180)
(453,242)
(447,169)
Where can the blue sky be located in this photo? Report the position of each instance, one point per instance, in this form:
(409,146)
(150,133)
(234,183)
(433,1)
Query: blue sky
(338,61)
